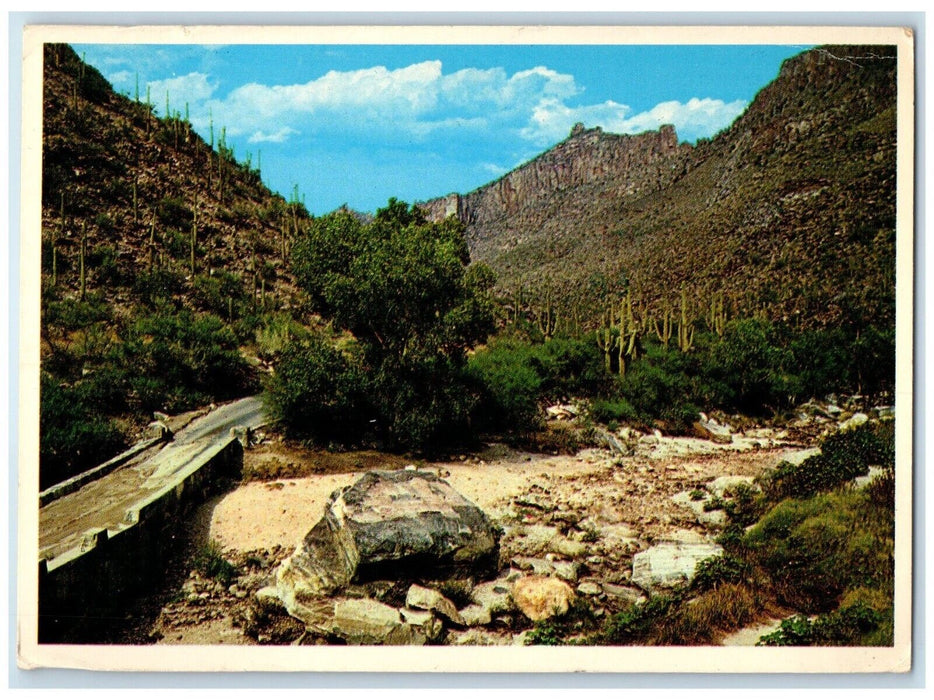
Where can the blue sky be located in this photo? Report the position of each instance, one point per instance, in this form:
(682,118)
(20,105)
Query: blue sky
(357,124)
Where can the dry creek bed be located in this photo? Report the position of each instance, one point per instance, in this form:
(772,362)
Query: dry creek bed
(579,517)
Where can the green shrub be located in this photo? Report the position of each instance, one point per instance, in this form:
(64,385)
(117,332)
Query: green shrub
(211,563)
(159,287)
(317,393)
(184,359)
(220,293)
(815,550)
(637,622)
(607,410)
(844,456)
(715,571)
(73,436)
(172,212)
(750,368)
(847,626)
(510,387)
(555,631)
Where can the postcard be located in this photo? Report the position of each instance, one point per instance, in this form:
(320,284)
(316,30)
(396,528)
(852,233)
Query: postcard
(538,348)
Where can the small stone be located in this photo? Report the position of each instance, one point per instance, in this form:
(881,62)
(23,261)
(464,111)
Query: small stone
(589,588)
(540,598)
(429,599)
(854,421)
(476,616)
(567,570)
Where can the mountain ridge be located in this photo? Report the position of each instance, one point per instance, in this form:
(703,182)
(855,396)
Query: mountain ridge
(789,212)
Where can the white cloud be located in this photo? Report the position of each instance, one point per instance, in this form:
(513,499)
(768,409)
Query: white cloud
(552,119)
(193,88)
(415,101)
(279,136)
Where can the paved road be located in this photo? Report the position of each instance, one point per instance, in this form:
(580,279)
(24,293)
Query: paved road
(104,502)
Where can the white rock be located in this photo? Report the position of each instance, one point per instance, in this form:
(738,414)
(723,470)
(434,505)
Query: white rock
(667,565)
(854,421)
(589,588)
(723,486)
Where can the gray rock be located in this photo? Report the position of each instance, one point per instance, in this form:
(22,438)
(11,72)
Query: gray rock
(567,547)
(885,412)
(429,599)
(493,596)
(567,570)
(537,565)
(388,523)
(626,595)
(798,457)
(424,622)
(710,430)
(589,588)
(667,565)
(712,518)
(476,616)
(725,486)
(366,621)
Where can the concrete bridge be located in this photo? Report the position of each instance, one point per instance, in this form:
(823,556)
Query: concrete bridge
(104,535)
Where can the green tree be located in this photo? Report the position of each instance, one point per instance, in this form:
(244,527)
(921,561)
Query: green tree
(405,289)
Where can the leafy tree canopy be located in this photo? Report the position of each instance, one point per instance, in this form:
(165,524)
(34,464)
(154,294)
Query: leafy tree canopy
(405,288)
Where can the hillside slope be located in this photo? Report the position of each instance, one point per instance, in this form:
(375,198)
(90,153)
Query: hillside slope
(790,212)
(165,282)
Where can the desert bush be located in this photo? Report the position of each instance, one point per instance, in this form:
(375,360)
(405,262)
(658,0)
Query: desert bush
(716,571)
(317,393)
(814,550)
(608,410)
(844,456)
(848,626)
(211,563)
(73,436)
(182,360)
(725,608)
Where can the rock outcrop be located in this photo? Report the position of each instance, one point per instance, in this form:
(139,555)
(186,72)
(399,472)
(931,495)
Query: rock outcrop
(618,165)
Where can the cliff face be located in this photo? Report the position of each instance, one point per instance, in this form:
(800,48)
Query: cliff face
(619,166)
(789,212)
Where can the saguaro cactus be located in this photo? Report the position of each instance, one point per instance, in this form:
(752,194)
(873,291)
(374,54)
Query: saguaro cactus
(194,235)
(686,327)
(716,315)
(152,243)
(664,330)
(547,318)
(607,341)
(83,253)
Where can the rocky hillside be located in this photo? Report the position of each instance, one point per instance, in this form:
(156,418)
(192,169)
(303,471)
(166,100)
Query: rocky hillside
(135,200)
(789,213)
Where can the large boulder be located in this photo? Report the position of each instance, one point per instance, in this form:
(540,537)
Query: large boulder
(388,525)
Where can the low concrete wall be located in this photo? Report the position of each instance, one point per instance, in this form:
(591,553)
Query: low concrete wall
(63,488)
(84,590)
